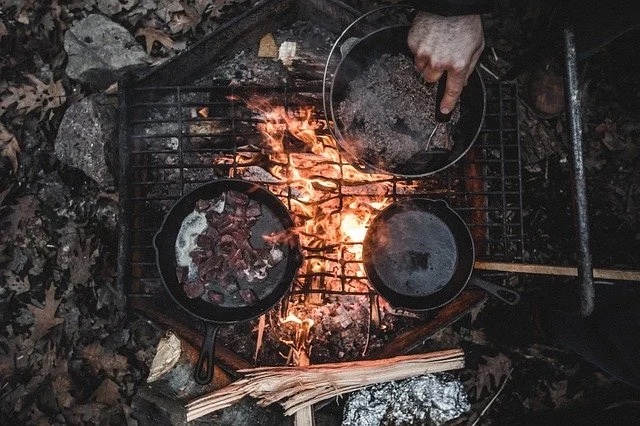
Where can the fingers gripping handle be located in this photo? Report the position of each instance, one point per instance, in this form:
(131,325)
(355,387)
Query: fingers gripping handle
(442,88)
(204,367)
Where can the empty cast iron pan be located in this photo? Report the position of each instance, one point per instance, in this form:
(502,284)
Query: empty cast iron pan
(419,255)
(275,218)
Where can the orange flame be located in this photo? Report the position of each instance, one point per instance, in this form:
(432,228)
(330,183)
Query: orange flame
(314,174)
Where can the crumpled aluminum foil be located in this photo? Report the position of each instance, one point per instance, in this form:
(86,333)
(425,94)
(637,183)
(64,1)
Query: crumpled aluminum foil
(432,399)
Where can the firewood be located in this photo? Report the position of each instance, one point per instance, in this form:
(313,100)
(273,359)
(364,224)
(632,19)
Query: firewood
(171,372)
(304,417)
(295,388)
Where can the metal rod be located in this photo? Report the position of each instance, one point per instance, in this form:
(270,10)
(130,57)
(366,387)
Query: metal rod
(578,183)
(123,274)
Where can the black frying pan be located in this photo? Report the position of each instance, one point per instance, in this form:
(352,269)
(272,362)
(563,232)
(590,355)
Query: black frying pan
(357,57)
(419,254)
(274,218)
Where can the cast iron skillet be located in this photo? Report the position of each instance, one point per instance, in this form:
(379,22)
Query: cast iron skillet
(357,57)
(419,254)
(275,218)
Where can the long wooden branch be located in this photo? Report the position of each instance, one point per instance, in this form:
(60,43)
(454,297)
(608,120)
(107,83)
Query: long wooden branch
(568,271)
(298,387)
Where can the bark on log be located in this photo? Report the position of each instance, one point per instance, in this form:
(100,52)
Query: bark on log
(171,372)
(410,340)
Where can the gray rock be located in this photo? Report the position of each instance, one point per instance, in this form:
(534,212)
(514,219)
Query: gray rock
(86,134)
(100,51)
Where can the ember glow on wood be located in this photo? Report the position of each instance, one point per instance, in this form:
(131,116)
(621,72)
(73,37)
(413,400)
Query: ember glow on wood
(296,388)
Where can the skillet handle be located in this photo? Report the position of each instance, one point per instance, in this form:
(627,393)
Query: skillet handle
(508,296)
(204,367)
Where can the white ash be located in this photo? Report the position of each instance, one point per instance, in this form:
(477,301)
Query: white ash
(258,174)
(192,225)
(432,399)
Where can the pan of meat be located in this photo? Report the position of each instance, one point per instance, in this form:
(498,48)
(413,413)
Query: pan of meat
(382,112)
(226,253)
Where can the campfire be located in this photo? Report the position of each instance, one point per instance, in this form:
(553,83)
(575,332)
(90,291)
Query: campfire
(300,162)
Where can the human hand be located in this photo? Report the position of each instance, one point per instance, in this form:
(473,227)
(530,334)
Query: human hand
(446,43)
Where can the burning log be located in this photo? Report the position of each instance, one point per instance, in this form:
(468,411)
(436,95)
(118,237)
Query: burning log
(295,388)
(171,372)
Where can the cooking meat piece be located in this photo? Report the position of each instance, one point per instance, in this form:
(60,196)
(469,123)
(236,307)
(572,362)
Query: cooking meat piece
(204,241)
(254,209)
(226,239)
(212,216)
(236,198)
(208,270)
(198,256)
(202,205)
(193,289)
(241,212)
(215,297)
(224,256)
(248,296)
(229,283)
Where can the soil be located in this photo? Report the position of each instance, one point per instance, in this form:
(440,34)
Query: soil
(389,112)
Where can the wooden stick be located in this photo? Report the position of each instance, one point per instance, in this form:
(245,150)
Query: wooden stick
(171,371)
(412,339)
(296,388)
(304,417)
(568,271)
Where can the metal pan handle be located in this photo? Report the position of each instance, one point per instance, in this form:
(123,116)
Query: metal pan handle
(204,367)
(509,297)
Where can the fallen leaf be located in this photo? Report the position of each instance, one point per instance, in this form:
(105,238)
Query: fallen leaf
(495,369)
(98,359)
(111,7)
(152,35)
(268,47)
(216,9)
(62,385)
(45,318)
(7,356)
(39,96)
(166,9)
(21,214)
(3,30)
(4,194)
(15,283)
(558,392)
(107,393)
(10,147)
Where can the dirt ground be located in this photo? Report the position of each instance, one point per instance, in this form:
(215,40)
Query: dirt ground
(69,354)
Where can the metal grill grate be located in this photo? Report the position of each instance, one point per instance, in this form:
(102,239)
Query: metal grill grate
(177,138)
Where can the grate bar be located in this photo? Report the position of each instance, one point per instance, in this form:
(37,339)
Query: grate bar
(169,156)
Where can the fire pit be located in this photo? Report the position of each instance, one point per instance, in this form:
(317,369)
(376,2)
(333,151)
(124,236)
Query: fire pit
(177,136)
